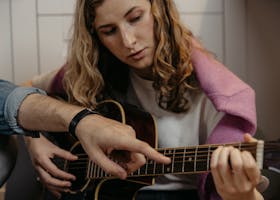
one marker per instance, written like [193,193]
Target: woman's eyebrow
[130,10]
[109,25]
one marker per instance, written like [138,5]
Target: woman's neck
[146,74]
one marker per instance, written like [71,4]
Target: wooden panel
[209,29]
[53,39]
[24,40]
[264,63]
[235,37]
[56,6]
[190,6]
[5,42]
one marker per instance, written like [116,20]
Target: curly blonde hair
[89,71]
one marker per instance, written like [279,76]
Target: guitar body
[109,188]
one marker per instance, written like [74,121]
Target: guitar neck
[184,160]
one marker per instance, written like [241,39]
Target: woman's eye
[109,31]
[135,19]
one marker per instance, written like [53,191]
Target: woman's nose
[128,38]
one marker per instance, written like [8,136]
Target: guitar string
[269,148]
[102,173]
[200,155]
[187,152]
[178,155]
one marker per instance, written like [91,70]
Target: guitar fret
[178,162]
[94,171]
[150,166]
[164,153]
[90,169]
[99,172]
[173,159]
[168,168]
[154,170]
[102,173]
[189,161]
[208,157]
[143,170]
[184,158]
[195,157]
[146,168]
[203,155]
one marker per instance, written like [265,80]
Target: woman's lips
[138,55]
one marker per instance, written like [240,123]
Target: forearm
[39,112]
[253,195]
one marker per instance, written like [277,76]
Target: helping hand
[100,136]
[42,151]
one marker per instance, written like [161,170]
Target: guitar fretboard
[183,161]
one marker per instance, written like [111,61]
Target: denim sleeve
[5,89]
[11,98]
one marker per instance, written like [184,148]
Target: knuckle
[220,164]
[213,166]
[143,145]
[130,130]
[247,188]
[221,189]
[237,167]
[231,190]
[109,171]
[249,166]
[47,182]
[142,160]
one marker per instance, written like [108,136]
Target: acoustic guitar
[185,160]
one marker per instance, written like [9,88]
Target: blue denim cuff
[12,105]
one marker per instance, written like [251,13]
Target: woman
[138,51]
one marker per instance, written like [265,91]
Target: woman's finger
[214,167]
[224,167]
[240,179]
[251,169]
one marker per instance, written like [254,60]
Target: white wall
[36,33]
[6,70]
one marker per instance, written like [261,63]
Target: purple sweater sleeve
[56,86]
[229,95]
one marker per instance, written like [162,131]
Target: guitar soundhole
[78,168]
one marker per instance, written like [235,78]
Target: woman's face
[126,28]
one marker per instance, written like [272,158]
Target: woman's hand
[42,151]
[235,173]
